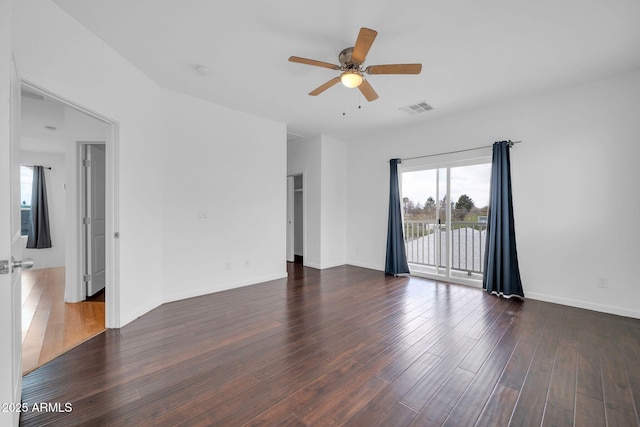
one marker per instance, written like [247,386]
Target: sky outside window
[471,180]
[26,181]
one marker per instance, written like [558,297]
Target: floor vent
[420,107]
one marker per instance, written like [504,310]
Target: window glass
[445,219]
[26,183]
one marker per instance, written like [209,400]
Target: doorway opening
[445,219]
[56,311]
[295,218]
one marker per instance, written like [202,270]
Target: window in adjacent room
[26,182]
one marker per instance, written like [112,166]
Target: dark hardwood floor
[349,346]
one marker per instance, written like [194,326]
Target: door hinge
[86,163]
[86,220]
[86,278]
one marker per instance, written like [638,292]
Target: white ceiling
[42,123]
[474,53]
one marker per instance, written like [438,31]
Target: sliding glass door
[445,214]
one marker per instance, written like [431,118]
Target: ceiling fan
[351,60]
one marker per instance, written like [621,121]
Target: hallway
[50,326]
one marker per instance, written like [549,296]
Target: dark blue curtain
[501,272]
[39,236]
[396,256]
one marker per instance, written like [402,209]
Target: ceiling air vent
[414,109]
[293,137]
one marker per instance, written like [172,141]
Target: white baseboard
[176,296]
[311,264]
[339,264]
[126,318]
[365,265]
[603,308]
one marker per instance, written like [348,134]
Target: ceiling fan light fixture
[351,79]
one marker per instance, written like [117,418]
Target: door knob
[25,264]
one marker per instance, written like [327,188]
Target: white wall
[56,200]
[334,202]
[35,114]
[298,211]
[55,52]
[298,202]
[230,167]
[574,181]
[166,142]
[322,159]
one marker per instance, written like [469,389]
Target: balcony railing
[421,239]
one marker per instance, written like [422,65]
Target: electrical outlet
[228,265]
[603,282]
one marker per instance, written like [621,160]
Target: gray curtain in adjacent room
[39,236]
[501,272]
[396,262]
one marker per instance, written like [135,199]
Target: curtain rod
[458,151]
[31,166]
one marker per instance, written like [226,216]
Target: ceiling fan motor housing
[345,60]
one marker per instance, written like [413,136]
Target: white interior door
[95,218]
[10,251]
[290,219]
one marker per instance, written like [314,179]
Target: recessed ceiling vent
[414,109]
[291,137]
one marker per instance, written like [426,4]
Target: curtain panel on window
[396,262]
[39,236]
[501,271]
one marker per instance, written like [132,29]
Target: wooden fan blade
[364,41]
[313,62]
[394,69]
[325,86]
[368,91]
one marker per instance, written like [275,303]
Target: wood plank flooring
[349,346]
[49,325]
